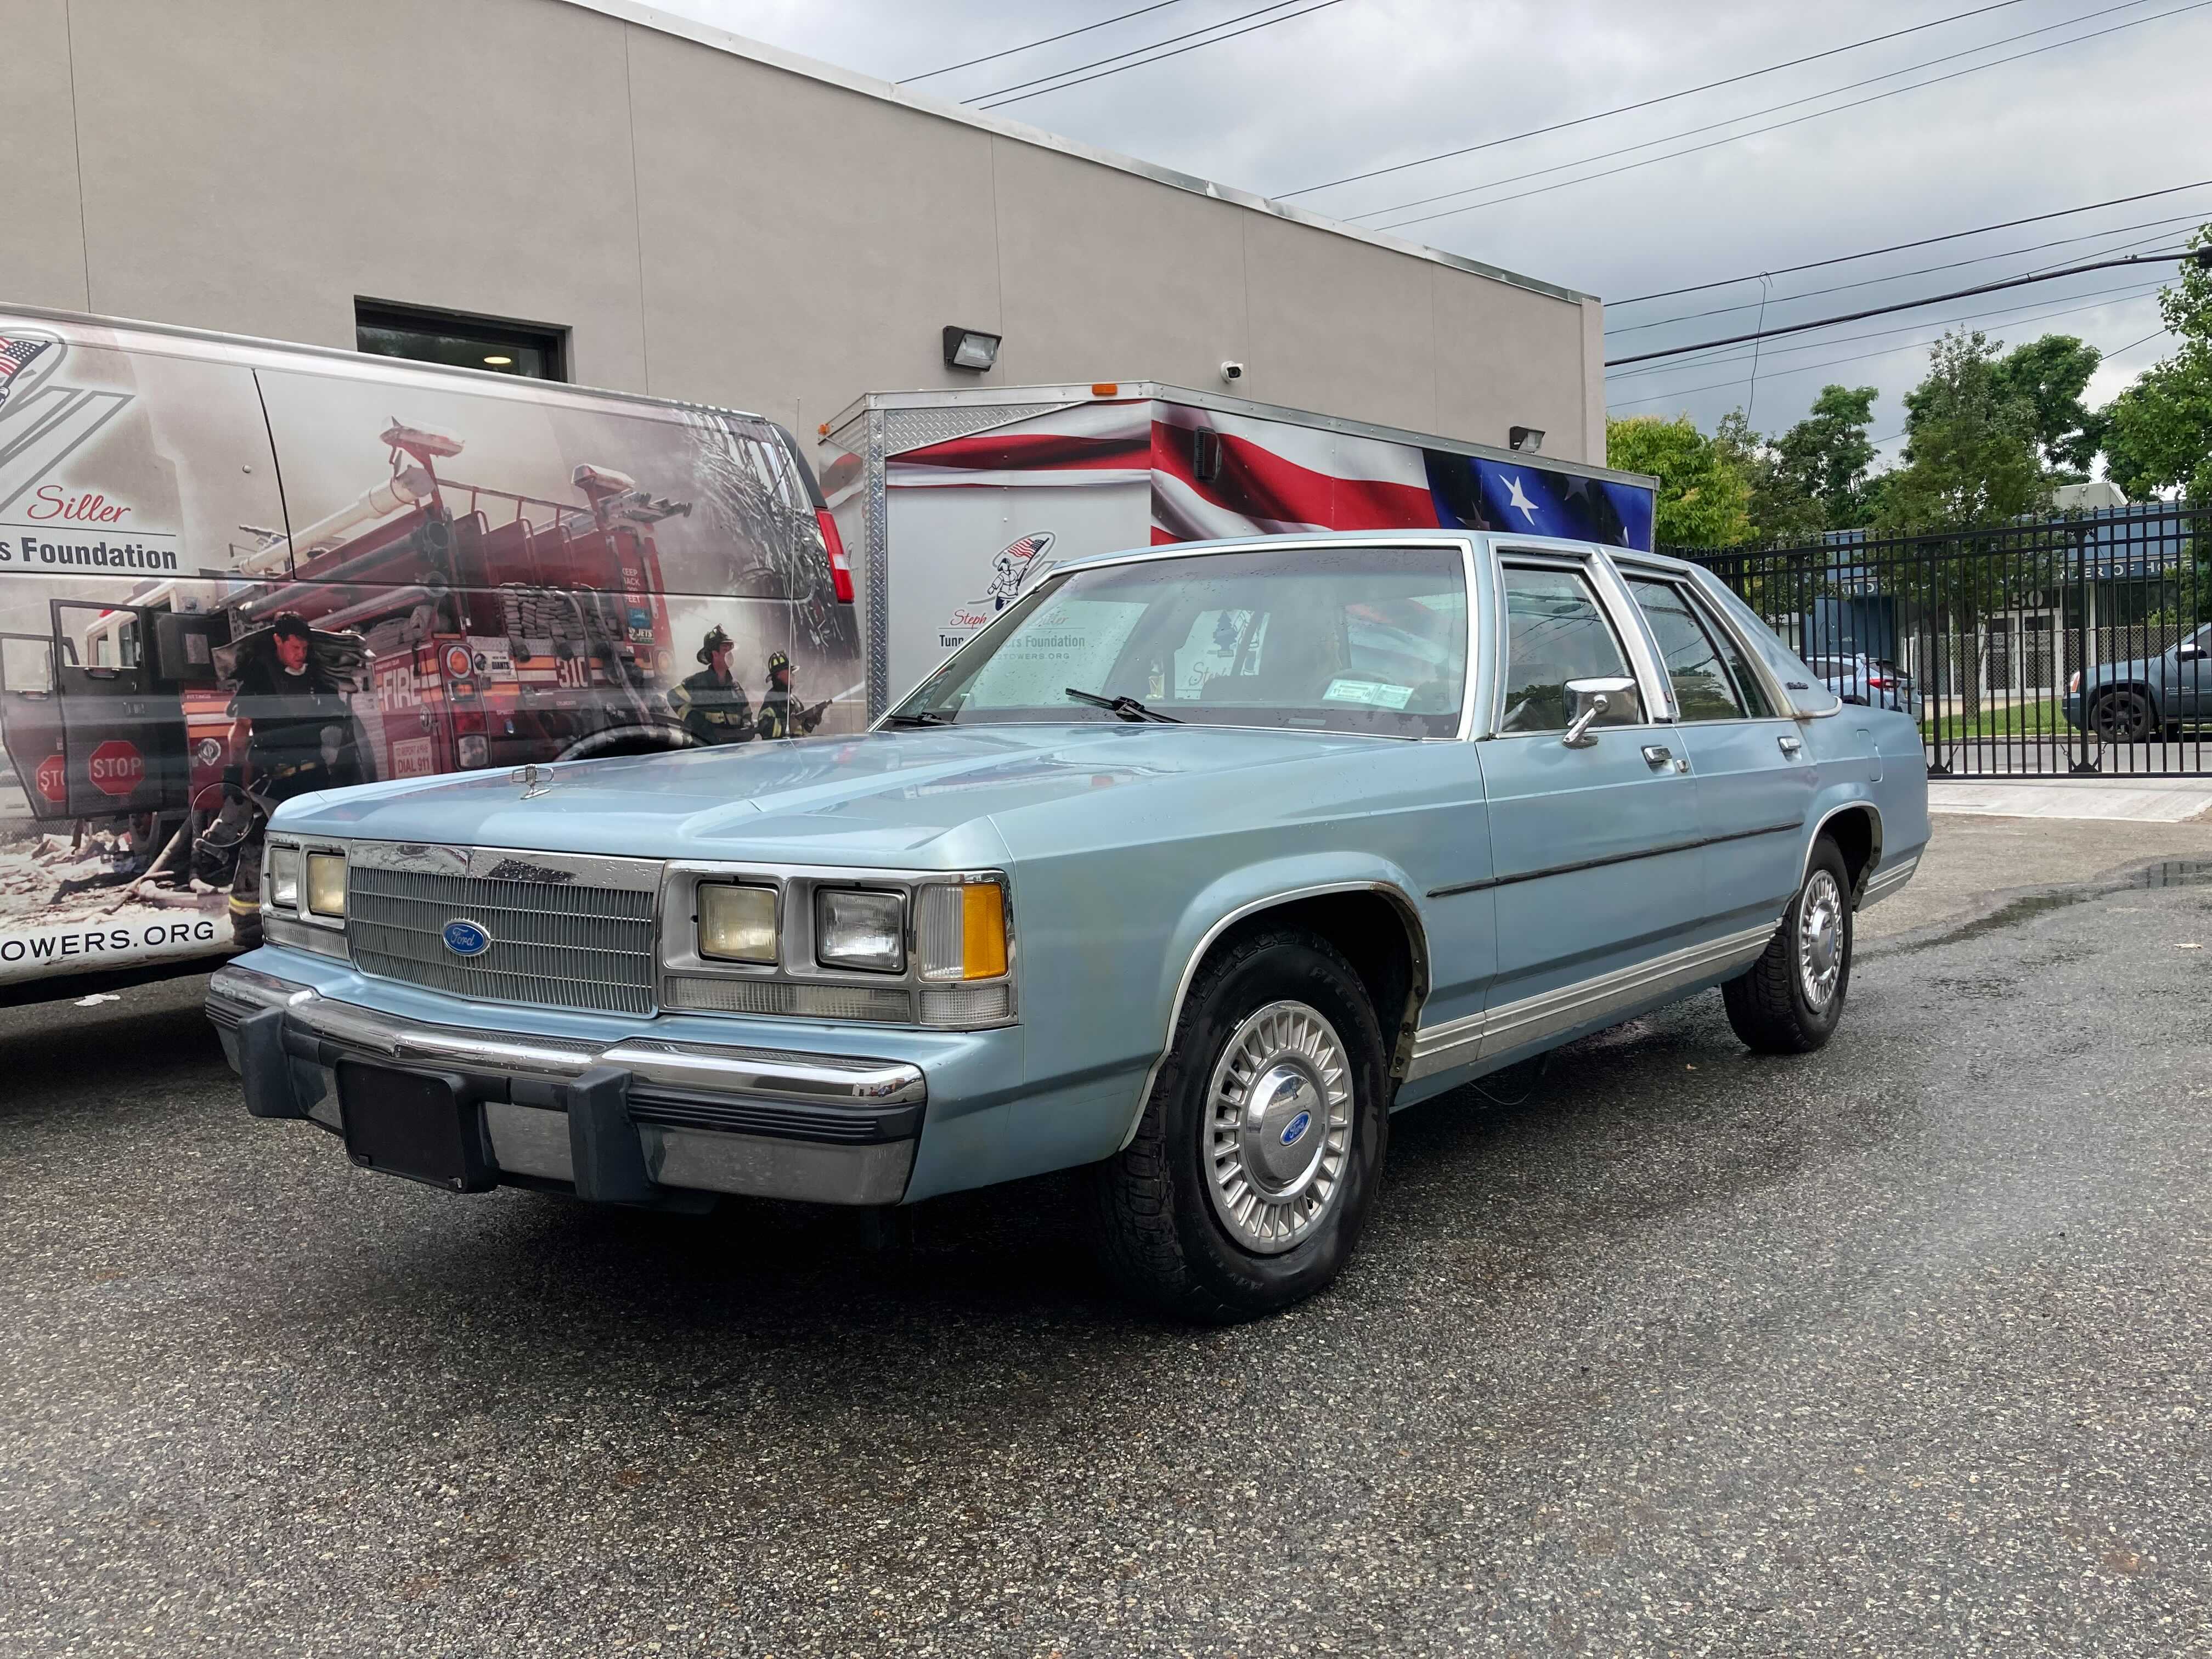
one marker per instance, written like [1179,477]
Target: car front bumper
[637,1119]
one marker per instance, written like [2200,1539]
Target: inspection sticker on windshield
[1372,692]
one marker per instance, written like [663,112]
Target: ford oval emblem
[465,938]
[1297,1126]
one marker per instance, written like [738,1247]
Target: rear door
[1594,848]
[1754,781]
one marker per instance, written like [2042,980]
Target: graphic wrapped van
[232,573]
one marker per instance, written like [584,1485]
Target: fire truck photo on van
[232,573]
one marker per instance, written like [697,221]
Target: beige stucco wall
[708,226]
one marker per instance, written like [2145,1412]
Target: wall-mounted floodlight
[971,348]
[1526,439]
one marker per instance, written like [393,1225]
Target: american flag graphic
[15,355]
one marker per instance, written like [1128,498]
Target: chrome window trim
[1455,1043]
[1610,595]
[1417,931]
[1464,540]
[1785,706]
[1709,615]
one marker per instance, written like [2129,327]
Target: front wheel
[1789,1000]
[1259,1151]
[2122,716]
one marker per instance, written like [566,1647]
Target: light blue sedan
[1191,867]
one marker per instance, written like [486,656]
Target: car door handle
[1658,756]
[1791,747]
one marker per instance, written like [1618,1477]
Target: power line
[993,100]
[2132,345]
[1921,270]
[1776,127]
[1856,357]
[1134,52]
[2204,257]
[1924,241]
[2132,290]
[1750,115]
[1067,34]
[1580,121]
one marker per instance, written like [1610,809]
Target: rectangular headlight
[736,924]
[326,883]
[857,929]
[284,877]
[963,930]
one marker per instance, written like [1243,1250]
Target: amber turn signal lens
[982,930]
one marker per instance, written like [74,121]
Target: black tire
[1158,1235]
[1771,1006]
[2122,715]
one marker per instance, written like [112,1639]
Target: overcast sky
[1366,83]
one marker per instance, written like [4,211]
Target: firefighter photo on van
[780,716]
[291,732]
[711,704]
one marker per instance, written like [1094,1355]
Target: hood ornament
[536,781]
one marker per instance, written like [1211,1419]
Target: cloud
[1367,83]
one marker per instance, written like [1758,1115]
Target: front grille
[553,946]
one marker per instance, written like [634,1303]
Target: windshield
[1368,639]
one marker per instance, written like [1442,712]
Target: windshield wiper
[918,717]
[1128,707]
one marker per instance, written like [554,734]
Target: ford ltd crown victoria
[1190,868]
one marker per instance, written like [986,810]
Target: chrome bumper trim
[771,1073]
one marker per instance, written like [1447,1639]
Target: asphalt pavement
[1900,1346]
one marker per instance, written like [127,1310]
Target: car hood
[922,797]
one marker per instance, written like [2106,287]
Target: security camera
[1232,370]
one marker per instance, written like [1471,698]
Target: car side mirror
[1588,699]
[2190,652]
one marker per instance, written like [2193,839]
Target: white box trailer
[950,500]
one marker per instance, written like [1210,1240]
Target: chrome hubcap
[1278,1127]
[1820,938]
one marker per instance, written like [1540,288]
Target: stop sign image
[116,767]
[52,779]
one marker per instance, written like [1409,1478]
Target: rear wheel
[1259,1151]
[1790,999]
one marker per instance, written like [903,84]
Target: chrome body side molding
[1463,1042]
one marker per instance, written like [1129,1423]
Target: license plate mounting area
[426,1126]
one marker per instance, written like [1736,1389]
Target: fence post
[2086,627]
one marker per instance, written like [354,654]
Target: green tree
[1777,512]
[1702,492]
[1970,460]
[2051,374]
[1971,456]
[1823,459]
[2157,433]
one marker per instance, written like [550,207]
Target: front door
[1594,850]
[1754,779]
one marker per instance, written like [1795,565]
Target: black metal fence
[2079,644]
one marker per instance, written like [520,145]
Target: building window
[501,347]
